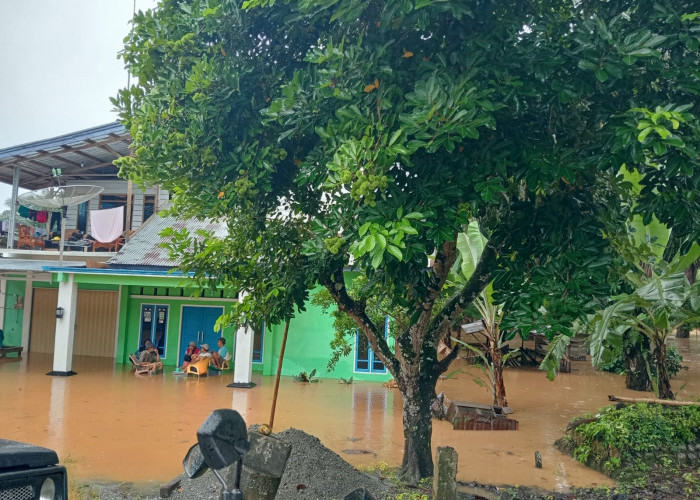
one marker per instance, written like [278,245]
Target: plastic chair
[199,368]
[225,364]
[26,239]
[141,368]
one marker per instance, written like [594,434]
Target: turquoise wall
[12,327]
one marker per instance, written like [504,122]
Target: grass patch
[401,490]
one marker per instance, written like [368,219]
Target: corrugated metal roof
[83,155]
[29,265]
[143,250]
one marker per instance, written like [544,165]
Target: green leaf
[377,259]
[395,252]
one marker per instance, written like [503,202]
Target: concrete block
[445,479]
[267,455]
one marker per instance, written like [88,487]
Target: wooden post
[279,371]
[129,194]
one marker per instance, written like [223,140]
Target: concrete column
[243,360]
[65,326]
[27,312]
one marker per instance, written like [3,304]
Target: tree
[323,131]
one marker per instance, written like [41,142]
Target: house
[108,304]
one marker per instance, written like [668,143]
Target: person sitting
[221,355]
[191,350]
[151,357]
[204,352]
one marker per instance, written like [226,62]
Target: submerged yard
[108,424]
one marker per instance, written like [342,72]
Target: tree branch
[478,281]
[335,284]
[441,366]
[444,259]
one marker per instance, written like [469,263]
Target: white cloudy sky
[59,66]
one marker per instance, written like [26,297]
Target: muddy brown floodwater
[108,424]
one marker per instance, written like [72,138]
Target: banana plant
[470,245]
[655,309]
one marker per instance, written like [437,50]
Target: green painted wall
[12,327]
[308,348]
[130,320]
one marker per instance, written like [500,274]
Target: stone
[359,494]
[267,454]
[263,466]
[445,479]
[538,459]
[167,489]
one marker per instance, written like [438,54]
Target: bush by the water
[626,441]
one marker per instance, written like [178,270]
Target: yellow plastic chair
[198,368]
[225,365]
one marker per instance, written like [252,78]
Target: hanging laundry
[107,225]
[23,211]
[55,222]
[42,216]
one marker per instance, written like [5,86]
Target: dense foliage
[633,438]
[326,131]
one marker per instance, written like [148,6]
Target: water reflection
[97,419]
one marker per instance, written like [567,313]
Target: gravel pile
[316,473]
[313,472]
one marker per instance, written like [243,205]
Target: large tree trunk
[663,379]
[418,429]
[636,374]
[499,388]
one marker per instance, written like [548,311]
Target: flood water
[108,424]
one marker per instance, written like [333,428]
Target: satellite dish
[56,198]
[59,198]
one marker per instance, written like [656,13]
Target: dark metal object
[222,441]
[25,469]
[194,463]
[223,438]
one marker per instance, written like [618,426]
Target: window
[82,216]
[365,360]
[258,343]
[149,206]
[154,326]
[114,201]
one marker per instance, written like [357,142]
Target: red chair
[26,239]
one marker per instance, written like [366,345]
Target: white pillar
[65,326]
[27,312]
[243,360]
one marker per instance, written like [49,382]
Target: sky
[59,66]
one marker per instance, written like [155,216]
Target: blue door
[198,326]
